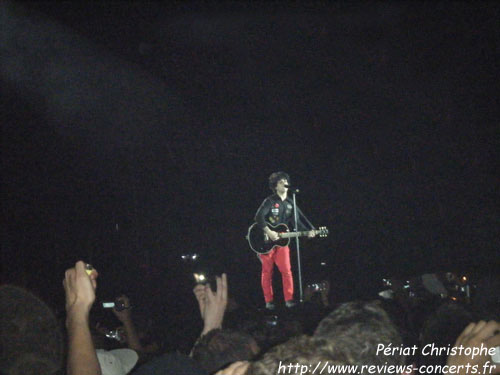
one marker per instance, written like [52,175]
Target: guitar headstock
[322,232]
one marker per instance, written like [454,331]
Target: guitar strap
[301,215]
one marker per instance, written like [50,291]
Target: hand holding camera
[128,333]
[121,309]
[79,286]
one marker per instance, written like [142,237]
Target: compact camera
[89,269]
[200,278]
[118,305]
[205,279]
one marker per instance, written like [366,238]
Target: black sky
[133,133]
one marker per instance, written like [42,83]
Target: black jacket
[275,211]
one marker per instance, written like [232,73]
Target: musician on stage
[277,209]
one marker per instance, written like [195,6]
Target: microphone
[293,189]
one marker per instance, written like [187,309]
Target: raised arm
[79,287]
[125,316]
[212,304]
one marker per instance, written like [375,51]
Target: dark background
[134,133]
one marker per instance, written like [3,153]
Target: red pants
[280,256]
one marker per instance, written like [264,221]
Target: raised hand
[274,236]
[474,336]
[79,287]
[215,304]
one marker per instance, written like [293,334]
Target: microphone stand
[297,242]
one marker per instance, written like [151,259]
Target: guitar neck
[295,234]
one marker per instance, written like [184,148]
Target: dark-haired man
[277,209]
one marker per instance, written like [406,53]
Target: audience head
[356,329]
[31,338]
[220,347]
[442,328]
[302,351]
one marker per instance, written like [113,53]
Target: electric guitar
[260,242]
